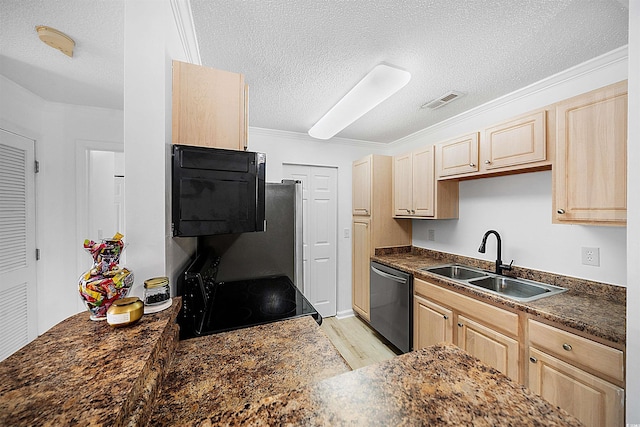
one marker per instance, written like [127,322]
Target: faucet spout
[481,249]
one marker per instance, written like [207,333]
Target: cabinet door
[516,142]
[458,156]
[592,400]
[362,186]
[432,323]
[360,256]
[402,185]
[423,182]
[488,345]
[591,157]
[209,107]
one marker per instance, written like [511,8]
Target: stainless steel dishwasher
[391,305]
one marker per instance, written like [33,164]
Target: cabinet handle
[412,211]
[366,211]
[408,211]
[472,165]
[460,324]
[445,317]
[567,347]
[561,211]
[487,162]
[533,359]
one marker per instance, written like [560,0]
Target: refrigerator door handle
[389,276]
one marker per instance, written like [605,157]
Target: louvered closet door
[18,323]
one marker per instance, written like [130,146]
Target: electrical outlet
[346,233]
[431,235]
[591,256]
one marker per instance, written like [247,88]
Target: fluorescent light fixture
[381,82]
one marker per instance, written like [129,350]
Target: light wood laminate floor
[356,341]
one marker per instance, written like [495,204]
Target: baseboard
[344,314]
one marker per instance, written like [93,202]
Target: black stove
[211,307]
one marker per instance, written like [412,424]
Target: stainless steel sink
[455,271]
[518,289]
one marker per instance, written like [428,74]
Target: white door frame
[336,241]
[83,150]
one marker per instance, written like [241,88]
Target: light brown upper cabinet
[415,190]
[209,107]
[520,141]
[590,170]
[361,196]
[517,145]
[458,156]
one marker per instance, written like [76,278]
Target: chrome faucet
[481,249]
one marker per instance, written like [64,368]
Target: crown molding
[303,137]
[580,70]
[186,30]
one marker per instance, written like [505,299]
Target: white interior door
[320,213]
[18,322]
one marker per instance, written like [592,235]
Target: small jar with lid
[156,291]
[125,311]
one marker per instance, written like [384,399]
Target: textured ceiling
[300,57]
[95,74]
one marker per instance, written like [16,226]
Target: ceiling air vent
[443,100]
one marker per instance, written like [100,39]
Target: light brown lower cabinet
[361,253]
[582,376]
[485,331]
[492,347]
[594,401]
[433,323]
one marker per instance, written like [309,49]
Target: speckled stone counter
[221,372]
[595,309]
[82,372]
[436,386]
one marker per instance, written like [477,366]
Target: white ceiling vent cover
[443,100]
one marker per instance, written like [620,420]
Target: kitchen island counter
[220,372]
[86,373]
[82,372]
[439,386]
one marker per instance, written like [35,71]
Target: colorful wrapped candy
[106,281]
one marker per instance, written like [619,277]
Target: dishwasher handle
[388,276]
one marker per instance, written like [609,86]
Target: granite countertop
[595,309]
[82,372]
[438,385]
[221,372]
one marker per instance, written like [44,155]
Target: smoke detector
[443,100]
[56,39]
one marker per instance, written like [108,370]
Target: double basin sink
[518,289]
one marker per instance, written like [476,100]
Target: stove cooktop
[254,302]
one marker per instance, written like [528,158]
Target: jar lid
[156,282]
[125,301]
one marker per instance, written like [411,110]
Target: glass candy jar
[106,281]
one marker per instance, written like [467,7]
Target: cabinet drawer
[572,348]
[494,316]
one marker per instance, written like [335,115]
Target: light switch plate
[431,235]
[591,256]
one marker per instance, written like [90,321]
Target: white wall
[152,42]
[287,147]
[633,221]
[57,128]
[519,206]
